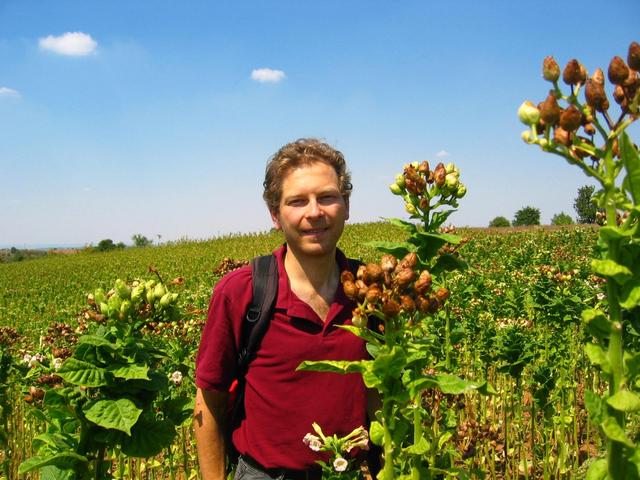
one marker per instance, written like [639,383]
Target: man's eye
[296,202]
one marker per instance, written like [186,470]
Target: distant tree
[584,206]
[561,219]
[500,222]
[105,245]
[120,245]
[14,250]
[526,216]
[140,240]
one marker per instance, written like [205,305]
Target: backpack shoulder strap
[264,277]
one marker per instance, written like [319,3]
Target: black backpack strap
[264,278]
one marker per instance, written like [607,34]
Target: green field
[513,316]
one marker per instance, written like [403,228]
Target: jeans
[246,471]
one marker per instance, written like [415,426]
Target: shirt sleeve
[217,359]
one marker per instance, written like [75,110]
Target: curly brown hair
[301,152]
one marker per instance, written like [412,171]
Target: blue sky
[126,117]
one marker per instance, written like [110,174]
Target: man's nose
[314,209]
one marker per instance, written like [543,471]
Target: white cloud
[9,92]
[70,43]
[267,75]
[442,153]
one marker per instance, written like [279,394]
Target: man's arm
[208,424]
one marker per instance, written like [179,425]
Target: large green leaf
[397,249]
[178,409]
[615,432]
[82,373]
[335,366]
[630,295]
[54,473]
[624,401]
[419,448]
[120,414]
[448,263]
[149,438]
[134,371]
[97,341]
[598,470]
[406,226]
[63,460]
[611,269]
[454,385]
[390,363]
[631,161]
[376,433]
[597,322]
[597,356]
[54,441]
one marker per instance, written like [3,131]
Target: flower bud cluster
[339,446]
[562,124]
[418,185]
[392,287]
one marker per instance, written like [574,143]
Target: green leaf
[631,161]
[598,470]
[595,406]
[98,341]
[614,233]
[54,473]
[397,249]
[82,373]
[119,414]
[624,401]
[64,461]
[454,385]
[376,433]
[149,438]
[609,268]
[178,409]
[334,366]
[633,365]
[597,323]
[597,356]
[54,441]
[420,448]
[406,226]
[630,296]
[134,371]
[615,432]
[448,263]
[429,243]
[390,363]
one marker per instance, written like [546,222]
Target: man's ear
[346,204]
[274,219]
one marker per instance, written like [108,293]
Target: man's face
[312,210]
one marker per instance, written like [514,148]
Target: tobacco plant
[402,315]
[587,134]
[112,393]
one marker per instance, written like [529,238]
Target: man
[306,189]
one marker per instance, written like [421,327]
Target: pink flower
[312,441]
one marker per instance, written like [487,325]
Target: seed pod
[439,175]
[598,76]
[596,96]
[528,113]
[360,272]
[390,308]
[589,129]
[362,289]
[374,293]
[571,74]
[350,289]
[618,71]
[633,57]
[359,318]
[404,277]
[424,203]
[410,260]
[347,276]
[388,262]
[618,94]
[550,111]
[407,304]
[570,118]
[550,69]
[423,304]
[434,304]
[424,167]
[442,294]
[423,284]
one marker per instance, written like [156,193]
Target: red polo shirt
[280,403]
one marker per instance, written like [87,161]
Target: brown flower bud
[404,277]
[390,308]
[388,262]
[410,260]
[550,111]
[589,129]
[374,293]
[424,167]
[618,94]
[407,304]
[583,74]
[359,318]
[423,284]
[439,175]
[596,96]
[598,76]
[350,289]
[442,294]
[618,71]
[431,177]
[424,203]
[633,57]
[550,69]
[360,272]
[561,136]
[362,289]
[571,74]
[347,276]
[570,118]
[372,273]
[387,279]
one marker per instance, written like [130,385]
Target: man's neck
[316,271]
